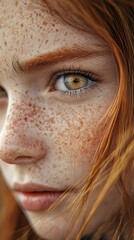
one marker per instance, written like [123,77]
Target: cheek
[73,138]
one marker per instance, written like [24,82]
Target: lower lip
[37,201]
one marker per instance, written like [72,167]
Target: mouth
[34,197]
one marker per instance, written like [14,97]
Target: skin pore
[48,133]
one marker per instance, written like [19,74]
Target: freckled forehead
[28,28]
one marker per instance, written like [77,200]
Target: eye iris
[2,93]
[74,82]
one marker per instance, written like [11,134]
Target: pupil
[76,80]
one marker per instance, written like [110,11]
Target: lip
[34,197]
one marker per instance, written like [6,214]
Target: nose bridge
[15,122]
[15,119]
[19,141]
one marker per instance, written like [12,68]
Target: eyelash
[74,93]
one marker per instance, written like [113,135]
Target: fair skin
[47,137]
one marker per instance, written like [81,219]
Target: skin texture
[45,137]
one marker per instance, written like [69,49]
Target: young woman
[66,126]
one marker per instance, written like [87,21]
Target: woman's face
[57,84]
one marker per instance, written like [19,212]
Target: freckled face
[51,121]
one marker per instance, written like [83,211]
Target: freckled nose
[19,144]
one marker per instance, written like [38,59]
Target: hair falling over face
[113,21]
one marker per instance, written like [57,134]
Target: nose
[19,142]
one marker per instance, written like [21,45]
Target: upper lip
[34,187]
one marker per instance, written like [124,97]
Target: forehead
[28,28]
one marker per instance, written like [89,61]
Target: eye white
[60,85]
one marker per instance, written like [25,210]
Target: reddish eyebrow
[58,56]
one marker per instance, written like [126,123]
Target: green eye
[3,93]
[75,81]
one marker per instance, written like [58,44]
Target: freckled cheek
[74,137]
[75,148]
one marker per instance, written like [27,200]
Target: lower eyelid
[79,94]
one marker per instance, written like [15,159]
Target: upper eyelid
[76,71]
[82,65]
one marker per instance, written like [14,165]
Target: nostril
[23,159]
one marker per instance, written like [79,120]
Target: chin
[52,227]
